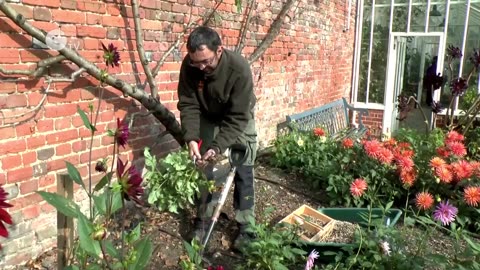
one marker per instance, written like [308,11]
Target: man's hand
[194,150]
[209,155]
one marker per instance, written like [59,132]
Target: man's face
[205,59]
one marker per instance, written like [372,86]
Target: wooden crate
[305,217]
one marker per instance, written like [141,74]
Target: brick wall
[308,64]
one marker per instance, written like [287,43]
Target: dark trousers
[243,198]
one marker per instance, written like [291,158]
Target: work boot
[200,229]
[243,239]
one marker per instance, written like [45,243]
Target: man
[216,104]
[429,81]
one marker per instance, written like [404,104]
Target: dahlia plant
[96,247]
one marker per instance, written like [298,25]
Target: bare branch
[272,32]
[141,50]
[159,64]
[243,34]
[44,97]
[39,71]
[156,69]
[212,13]
[72,78]
[166,117]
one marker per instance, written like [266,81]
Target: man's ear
[219,50]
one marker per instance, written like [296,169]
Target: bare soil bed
[274,188]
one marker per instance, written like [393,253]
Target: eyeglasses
[206,62]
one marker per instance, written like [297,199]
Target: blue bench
[332,117]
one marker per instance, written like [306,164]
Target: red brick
[7,87]
[69,4]
[64,95]
[113,9]
[68,16]
[148,4]
[25,129]
[58,164]
[7,25]
[96,154]
[7,132]
[94,19]
[14,40]
[31,212]
[62,136]
[19,175]
[91,31]
[28,186]
[3,179]
[47,208]
[45,26]
[31,55]
[12,147]
[11,161]
[46,180]
[95,7]
[30,85]
[37,141]
[26,11]
[63,149]
[29,158]
[44,125]
[34,98]
[113,21]
[42,14]
[60,110]
[48,3]
[79,146]
[22,202]
[63,123]
[16,100]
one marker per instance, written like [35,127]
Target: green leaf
[100,203]
[85,120]
[134,235]
[85,229]
[116,202]
[105,179]
[473,245]
[144,252]
[74,174]
[111,250]
[72,267]
[62,204]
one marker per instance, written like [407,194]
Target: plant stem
[109,199]
[123,229]
[102,247]
[359,248]
[406,205]
[94,124]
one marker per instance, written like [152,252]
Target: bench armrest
[361,112]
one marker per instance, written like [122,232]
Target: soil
[341,232]
[285,192]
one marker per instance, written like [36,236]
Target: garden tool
[237,155]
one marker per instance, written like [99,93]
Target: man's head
[204,48]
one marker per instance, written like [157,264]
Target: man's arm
[238,115]
[188,106]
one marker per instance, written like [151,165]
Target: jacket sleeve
[188,106]
[238,115]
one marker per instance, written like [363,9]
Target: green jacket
[224,97]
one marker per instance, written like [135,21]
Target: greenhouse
[397,41]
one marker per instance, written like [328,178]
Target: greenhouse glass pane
[419,13]
[400,16]
[472,44]
[437,18]
[363,68]
[379,56]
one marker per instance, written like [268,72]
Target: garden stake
[237,155]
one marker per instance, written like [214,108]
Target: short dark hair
[203,35]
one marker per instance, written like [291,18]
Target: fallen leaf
[225,242]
